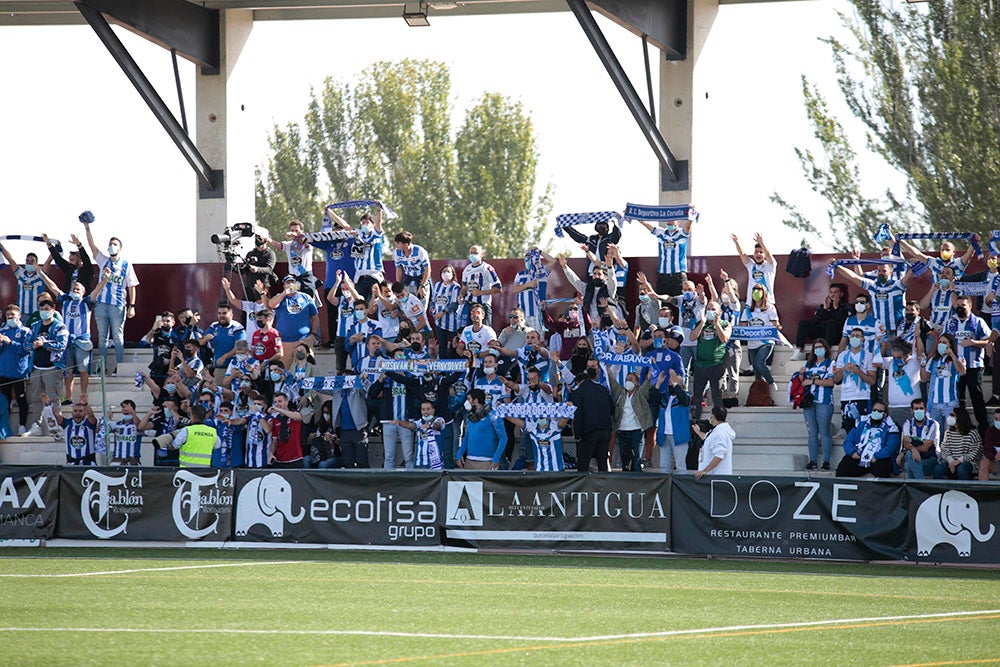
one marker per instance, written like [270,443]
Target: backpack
[798,394]
[799,264]
[760,394]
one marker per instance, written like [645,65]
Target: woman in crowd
[942,371]
[961,448]
[447,310]
[761,314]
[817,377]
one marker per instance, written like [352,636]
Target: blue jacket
[890,438]
[15,356]
[680,416]
[56,341]
[485,438]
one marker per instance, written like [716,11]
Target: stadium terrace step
[32,450]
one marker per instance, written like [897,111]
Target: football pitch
[284,607]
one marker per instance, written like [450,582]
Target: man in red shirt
[266,342]
[285,428]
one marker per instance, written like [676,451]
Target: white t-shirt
[908,374]
[852,387]
[300,259]
[760,273]
[761,318]
[475,341]
[250,308]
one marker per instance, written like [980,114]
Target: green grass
[516,607]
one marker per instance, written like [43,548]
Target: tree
[389,137]
[924,83]
[288,190]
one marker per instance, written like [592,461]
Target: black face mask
[605,322]
[592,373]
[416,346]
[962,311]
[910,317]
[403,333]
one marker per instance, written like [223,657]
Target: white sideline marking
[148,569]
[594,638]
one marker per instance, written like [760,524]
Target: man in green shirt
[712,334]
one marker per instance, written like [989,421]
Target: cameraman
[257,265]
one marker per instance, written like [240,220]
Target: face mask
[856,342]
[275,376]
[468,405]
[658,343]
[447,276]
[919,415]
[242,357]
[663,321]
[359,315]
[726,299]
[946,255]
[170,387]
[820,352]
[592,373]
[30,268]
[426,418]
[404,333]
[996,424]
[300,355]
[489,370]
[757,294]
[416,346]
[261,323]
[710,316]
[112,251]
[597,282]
[257,409]
[951,420]
[861,307]
[629,385]
[366,228]
[688,296]
[911,317]
[46,315]
[74,296]
[474,258]
[12,322]
[942,348]
[962,312]
[877,415]
[944,282]
[326,416]
[992,264]
[644,298]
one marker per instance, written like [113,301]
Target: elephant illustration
[266,500]
[951,518]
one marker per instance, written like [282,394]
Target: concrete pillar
[678,102]
[220,136]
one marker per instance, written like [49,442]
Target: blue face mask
[359,315]
[658,343]
[170,387]
[75,297]
[474,258]
[275,376]
[688,296]
[46,315]
[856,342]
[996,424]
[942,348]
[919,415]
[30,268]
[644,298]
[944,282]
[13,322]
[820,352]
[876,415]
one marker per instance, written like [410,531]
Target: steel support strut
[211,179]
[672,171]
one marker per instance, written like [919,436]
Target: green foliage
[288,190]
[924,83]
[389,136]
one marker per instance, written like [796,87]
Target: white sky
[77,136]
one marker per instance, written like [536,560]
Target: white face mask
[447,276]
[468,405]
[490,370]
[475,258]
[861,307]
[629,385]
[366,228]
[112,250]
[951,420]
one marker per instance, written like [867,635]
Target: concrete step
[32,450]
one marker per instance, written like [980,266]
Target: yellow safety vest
[196,452]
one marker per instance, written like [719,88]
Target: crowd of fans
[239,394]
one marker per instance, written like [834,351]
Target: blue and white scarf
[995,242]
[756,333]
[661,213]
[619,359]
[574,219]
[971,289]
[970,237]
[363,203]
[329,383]
[329,235]
[534,410]
[863,262]
[27,237]
[421,366]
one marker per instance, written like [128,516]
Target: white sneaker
[21,430]
[774,386]
[35,430]
[798,355]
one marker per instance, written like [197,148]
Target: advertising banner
[29,498]
[331,507]
[953,522]
[784,517]
[557,511]
[145,504]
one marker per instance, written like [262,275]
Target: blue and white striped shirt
[972,328]
[367,253]
[930,430]
[621,275]
[943,388]
[673,249]
[76,316]
[935,264]
[821,370]
[345,315]
[427,434]
[80,439]
[527,357]
[537,396]
[887,300]
[446,300]
[482,277]
[873,328]
[528,299]
[256,444]
[128,439]
[29,287]
[942,307]
[414,265]
[115,291]
[547,443]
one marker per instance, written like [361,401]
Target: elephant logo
[951,518]
[266,500]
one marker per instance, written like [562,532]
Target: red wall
[173,286]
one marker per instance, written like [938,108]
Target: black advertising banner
[29,497]
[953,522]
[332,507]
[145,504]
[604,511]
[784,517]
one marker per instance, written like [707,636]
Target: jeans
[446,443]
[110,319]
[920,469]
[963,471]
[391,433]
[939,412]
[354,445]
[818,417]
[669,452]
[758,359]
[687,356]
[630,446]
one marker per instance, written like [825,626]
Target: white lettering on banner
[724,500]
[9,496]
[98,495]
[381,508]
[465,504]
[576,504]
[198,495]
